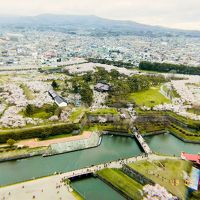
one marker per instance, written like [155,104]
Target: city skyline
[173,14]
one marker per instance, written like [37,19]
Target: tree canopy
[54,84]
[168,68]
[10,142]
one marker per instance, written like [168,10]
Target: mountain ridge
[88,22]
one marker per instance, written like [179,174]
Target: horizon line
[107,18]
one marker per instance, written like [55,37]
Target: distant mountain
[90,23]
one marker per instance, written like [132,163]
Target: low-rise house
[60,101]
[101,87]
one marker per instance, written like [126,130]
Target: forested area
[169,68]
[120,85]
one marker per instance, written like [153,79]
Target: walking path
[114,164]
[52,187]
[40,189]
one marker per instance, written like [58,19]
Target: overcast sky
[183,14]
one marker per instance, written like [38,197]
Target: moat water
[111,148]
[94,188]
[171,145]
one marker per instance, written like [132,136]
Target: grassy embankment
[105,111]
[167,173]
[183,133]
[180,118]
[151,127]
[106,127]
[122,182]
[191,133]
[77,115]
[7,153]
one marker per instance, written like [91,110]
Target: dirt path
[33,143]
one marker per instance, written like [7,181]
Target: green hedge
[37,132]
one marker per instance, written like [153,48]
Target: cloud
[172,13]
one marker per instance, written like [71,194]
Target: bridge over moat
[142,142]
[49,186]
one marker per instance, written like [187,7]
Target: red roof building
[191,157]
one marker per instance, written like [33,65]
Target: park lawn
[122,182]
[105,111]
[42,115]
[149,97]
[165,172]
[183,133]
[45,112]
[28,93]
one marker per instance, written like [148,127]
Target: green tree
[29,109]
[11,142]
[87,77]
[54,84]
[86,94]
[75,86]
[120,88]
[114,74]
[102,75]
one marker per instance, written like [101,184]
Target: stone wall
[166,119]
[136,175]
[151,118]
[93,141]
